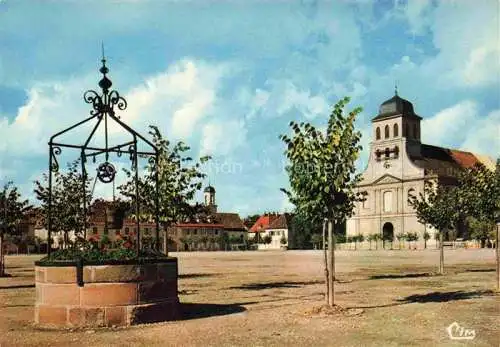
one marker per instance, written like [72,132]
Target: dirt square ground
[265,299]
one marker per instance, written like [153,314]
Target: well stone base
[111,295]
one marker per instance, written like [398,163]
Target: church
[398,165]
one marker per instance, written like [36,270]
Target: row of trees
[476,197]
[322,180]
[12,211]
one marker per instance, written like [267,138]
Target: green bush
[88,250]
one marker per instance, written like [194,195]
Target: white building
[398,166]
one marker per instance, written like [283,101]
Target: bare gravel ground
[267,298]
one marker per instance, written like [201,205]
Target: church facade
[399,164]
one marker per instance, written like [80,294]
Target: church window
[386,131]
[365,201]
[387,152]
[396,152]
[377,133]
[411,195]
[396,130]
[388,201]
[378,154]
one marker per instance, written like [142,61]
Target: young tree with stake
[322,177]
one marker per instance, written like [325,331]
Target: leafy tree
[12,212]
[427,236]
[250,220]
[411,237]
[283,240]
[321,173]
[441,207]
[316,240]
[377,238]
[480,190]
[349,240]
[302,231]
[223,240]
[370,239]
[67,200]
[179,178]
[267,239]
[401,237]
[358,238]
[481,229]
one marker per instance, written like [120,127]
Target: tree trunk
[498,258]
[2,258]
[331,265]
[325,263]
[165,242]
[441,254]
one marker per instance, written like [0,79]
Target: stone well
[105,293]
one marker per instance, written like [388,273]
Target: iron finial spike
[102,51]
[396,88]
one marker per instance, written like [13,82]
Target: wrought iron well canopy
[104,105]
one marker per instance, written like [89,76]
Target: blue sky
[228,76]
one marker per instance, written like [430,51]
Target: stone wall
[118,295]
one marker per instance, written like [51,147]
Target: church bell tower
[209,194]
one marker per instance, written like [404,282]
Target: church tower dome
[396,106]
[209,194]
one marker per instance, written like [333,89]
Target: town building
[277,227]
[209,230]
[399,164]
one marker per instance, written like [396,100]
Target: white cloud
[175,100]
[484,135]
[417,14]
[178,98]
[461,126]
[451,125]
[467,37]
[222,137]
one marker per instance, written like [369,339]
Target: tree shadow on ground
[197,275]
[480,270]
[195,311]
[396,276]
[271,285]
[436,297]
[446,296]
[21,286]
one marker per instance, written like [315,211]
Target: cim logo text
[457,332]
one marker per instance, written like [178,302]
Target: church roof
[231,221]
[396,106]
[209,189]
[448,162]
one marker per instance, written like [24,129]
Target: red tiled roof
[262,223]
[282,222]
[464,159]
[445,161]
[199,225]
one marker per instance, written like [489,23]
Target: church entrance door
[388,233]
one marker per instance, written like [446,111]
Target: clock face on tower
[387,164]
